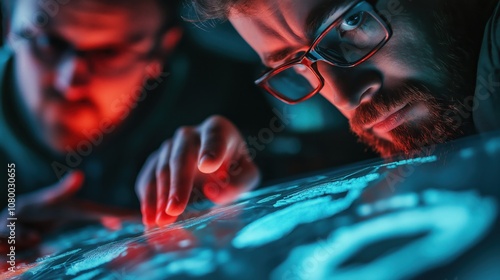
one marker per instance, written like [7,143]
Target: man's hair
[214,9]
[170,9]
[219,9]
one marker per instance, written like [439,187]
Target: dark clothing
[487,97]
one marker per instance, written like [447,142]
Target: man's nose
[72,73]
[347,88]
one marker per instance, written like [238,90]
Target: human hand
[39,212]
[211,157]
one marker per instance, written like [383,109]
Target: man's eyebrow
[321,13]
[314,20]
[276,56]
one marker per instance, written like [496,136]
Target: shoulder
[492,34]
[487,94]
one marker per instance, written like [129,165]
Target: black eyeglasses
[106,62]
[348,41]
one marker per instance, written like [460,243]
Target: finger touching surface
[183,168]
[146,190]
[163,185]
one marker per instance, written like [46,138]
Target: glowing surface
[371,221]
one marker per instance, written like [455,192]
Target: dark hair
[219,9]
[170,8]
[213,9]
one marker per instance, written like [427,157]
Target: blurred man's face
[402,98]
[83,66]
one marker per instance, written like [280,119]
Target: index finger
[183,170]
[218,139]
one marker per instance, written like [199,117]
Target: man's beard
[448,116]
[410,138]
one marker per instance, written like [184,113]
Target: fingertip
[148,222]
[163,219]
[208,163]
[148,216]
[148,227]
[175,207]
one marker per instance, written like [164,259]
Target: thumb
[65,188]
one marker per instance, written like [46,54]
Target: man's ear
[166,46]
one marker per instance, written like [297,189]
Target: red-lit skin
[209,160]
[67,99]
[170,240]
[406,58]
[150,245]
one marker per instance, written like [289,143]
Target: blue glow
[397,202]
[41,262]
[352,223]
[420,160]
[101,255]
[467,153]
[269,198]
[335,187]
[449,218]
[198,263]
[89,275]
[493,146]
[306,206]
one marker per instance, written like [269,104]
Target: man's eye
[352,22]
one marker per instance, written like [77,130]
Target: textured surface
[430,216]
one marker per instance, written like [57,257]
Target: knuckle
[217,120]
[184,132]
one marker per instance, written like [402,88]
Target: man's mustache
[385,101]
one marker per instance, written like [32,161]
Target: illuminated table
[433,216]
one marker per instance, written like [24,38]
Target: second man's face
[398,100]
[81,67]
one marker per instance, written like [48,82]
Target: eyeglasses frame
[311,57]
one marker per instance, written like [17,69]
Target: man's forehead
[91,20]
[282,26]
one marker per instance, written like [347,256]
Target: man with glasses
[402,72]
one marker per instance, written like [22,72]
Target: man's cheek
[117,96]
[114,105]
